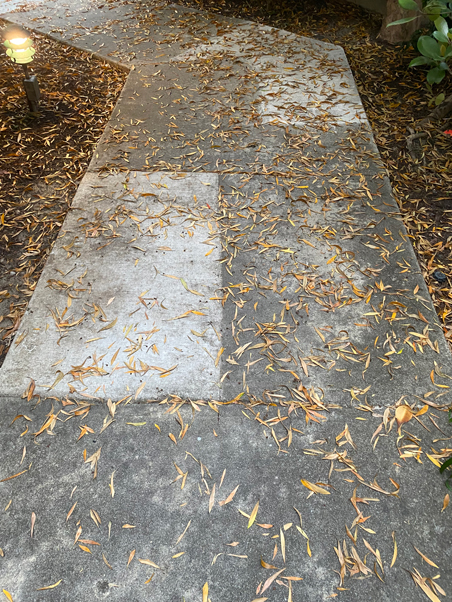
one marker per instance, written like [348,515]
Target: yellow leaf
[112,487]
[314,488]
[109,325]
[395,549]
[219,354]
[445,502]
[140,388]
[425,588]
[178,554]
[212,499]
[84,548]
[50,586]
[253,515]
[427,560]
[422,411]
[8,595]
[60,375]
[148,562]
[403,414]
[434,460]
[268,566]
[205,591]
[283,544]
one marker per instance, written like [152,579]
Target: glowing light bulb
[18,41]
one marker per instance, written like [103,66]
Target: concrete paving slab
[122,31]
[160,514]
[10,5]
[295,287]
[323,291]
[130,279]
[231,106]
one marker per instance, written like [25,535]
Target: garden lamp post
[19,48]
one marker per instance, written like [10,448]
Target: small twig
[409,143]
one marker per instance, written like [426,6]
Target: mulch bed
[43,159]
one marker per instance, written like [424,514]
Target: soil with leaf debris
[43,159]
[396,99]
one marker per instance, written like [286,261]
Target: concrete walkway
[234,240]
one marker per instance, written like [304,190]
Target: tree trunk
[400,33]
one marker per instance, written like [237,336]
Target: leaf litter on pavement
[251,222]
[43,160]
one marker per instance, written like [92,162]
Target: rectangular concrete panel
[322,292]
[126,301]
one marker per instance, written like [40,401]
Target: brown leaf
[212,498]
[106,561]
[270,580]
[71,511]
[131,555]
[148,562]
[403,414]
[314,488]
[84,548]
[229,498]
[33,520]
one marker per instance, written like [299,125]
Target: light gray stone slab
[236,117]
[120,31]
[129,250]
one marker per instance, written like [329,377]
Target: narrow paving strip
[235,243]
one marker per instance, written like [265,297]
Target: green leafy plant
[435,49]
[447,465]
